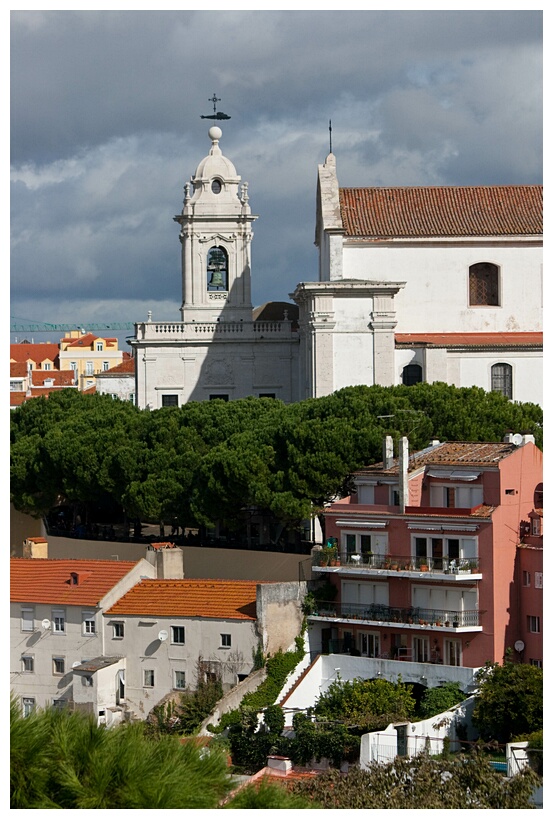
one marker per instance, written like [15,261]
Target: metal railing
[377,613]
[398,563]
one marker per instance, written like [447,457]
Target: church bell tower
[216,234]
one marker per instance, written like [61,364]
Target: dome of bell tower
[215,167]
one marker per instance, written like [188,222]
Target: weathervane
[216,114]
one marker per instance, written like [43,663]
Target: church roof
[422,212]
[513,339]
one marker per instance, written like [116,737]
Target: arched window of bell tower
[217,269]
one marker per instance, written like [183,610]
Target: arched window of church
[217,269]
[412,374]
[502,379]
[538,496]
[484,284]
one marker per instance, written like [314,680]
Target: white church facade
[415,284]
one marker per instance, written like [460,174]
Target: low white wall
[381,746]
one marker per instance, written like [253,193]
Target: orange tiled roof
[490,210]
[126,366]
[41,580]
[35,352]
[61,378]
[218,599]
[18,369]
[453,453]
[17,398]
[470,339]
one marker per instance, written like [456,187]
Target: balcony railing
[414,615]
[442,565]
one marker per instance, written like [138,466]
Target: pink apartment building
[437,557]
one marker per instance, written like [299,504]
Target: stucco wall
[279,614]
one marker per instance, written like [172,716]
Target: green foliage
[64,760]
[206,461]
[313,740]
[441,698]
[278,667]
[419,784]
[509,701]
[185,716]
[369,704]
[267,795]
[534,750]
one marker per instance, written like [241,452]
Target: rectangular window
[105,366]
[89,623]
[100,347]
[73,365]
[225,640]
[349,544]
[27,619]
[58,665]
[58,621]
[28,664]
[452,650]
[149,678]
[47,366]
[536,527]
[169,400]
[180,681]
[177,635]
[394,496]
[537,663]
[533,624]
[89,368]
[526,579]
[218,397]
[87,680]
[28,705]
[118,631]
[538,580]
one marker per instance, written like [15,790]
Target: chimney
[387,452]
[528,439]
[403,470]
[168,560]
[35,547]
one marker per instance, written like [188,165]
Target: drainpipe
[403,469]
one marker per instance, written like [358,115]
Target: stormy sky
[106,130]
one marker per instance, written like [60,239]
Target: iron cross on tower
[214,99]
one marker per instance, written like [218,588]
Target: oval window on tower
[216,186]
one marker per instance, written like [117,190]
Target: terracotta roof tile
[41,580]
[453,453]
[37,353]
[18,369]
[126,366]
[61,378]
[17,398]
[218,599]
[470,339]
[493,210]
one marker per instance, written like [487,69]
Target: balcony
[391,565]
[404,618]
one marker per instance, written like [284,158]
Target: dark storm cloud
[105,122]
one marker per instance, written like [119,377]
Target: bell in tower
[217,268]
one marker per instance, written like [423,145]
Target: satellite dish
[519,645]
[75,664]
[163,635]
[45,624]
[517,439]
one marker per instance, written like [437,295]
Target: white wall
[435,298]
